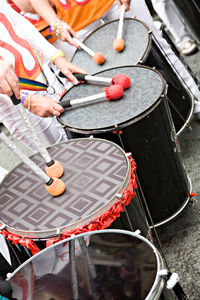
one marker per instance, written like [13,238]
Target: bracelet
[58,26]
[29,102]
[24,95]
[56,54]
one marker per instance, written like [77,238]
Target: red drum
[104,265]
[140,48]
[100,182]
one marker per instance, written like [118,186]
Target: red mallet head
[122,80]
[55,169]
[56,188]
[118,45]
[99,58]
[113,92]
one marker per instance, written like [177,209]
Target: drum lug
[91,137]
[137,232]
[2,227]
[163,272]
[128,154]
[172,281]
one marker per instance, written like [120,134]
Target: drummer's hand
[67,68]
[44,106]
[67,34]
[9,82]
[125,2]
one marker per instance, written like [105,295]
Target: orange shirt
[80,13]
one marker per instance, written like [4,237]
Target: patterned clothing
[18,38]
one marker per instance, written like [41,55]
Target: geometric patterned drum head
[95,170]
[137,41]
[147,85]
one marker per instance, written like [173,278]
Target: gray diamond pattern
[94,171]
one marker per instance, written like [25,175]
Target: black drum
[140,48]
[104,265]
[100,187]
[141,123]
[190,11]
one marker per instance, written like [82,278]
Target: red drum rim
[107,214]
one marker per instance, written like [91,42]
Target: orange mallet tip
[99,58]
[54,170]
[56,188]
[118,45]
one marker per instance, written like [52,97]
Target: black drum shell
[152,140]
[141,48]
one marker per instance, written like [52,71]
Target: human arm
[37,41]
[9,82]
[45,10]
[125,2]
[43,106]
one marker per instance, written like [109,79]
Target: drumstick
[54,186]
[98,57]
[118,44]
[53,168]
[120,79]
[113,92]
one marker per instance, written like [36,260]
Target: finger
[126,4]
[13,81]
[70,76]
[5,87]
[59,109]
[72,42]
[75,69]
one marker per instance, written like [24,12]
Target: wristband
[24,94]
[29,102]
[56,54]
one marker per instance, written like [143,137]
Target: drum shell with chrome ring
[140,48]
[100,192]
[107,263]
[141,123]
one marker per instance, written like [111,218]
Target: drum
[100,182]
[104,265]
[190,11]
[141,123]
[140,48]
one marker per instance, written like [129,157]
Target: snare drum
[140,48]
[141,123]
[100,182]
[106,264]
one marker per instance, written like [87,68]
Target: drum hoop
[158,281]
[149,35]
[56,232]
[125,123]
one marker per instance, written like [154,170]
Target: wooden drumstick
[113,92]
[53,168]
[98,57]
[120,79]
[54,186]
[118,44]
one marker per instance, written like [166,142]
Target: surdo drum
[140,48]
[104,265]
[141,123]
[100,185]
